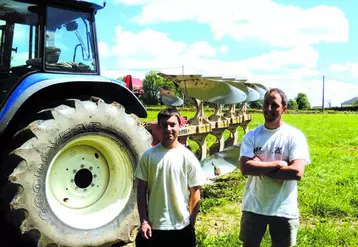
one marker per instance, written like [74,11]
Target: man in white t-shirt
[273,157]
[169,181]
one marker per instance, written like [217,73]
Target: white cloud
[147,43]
[103,49]
[223,49]
[347,69]
[276,24]
[152,49]
[339,91]
[302,57]
[294,70]
[202,49]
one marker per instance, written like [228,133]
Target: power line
[280,79]
[176,67]
[341,80]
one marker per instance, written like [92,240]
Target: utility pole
[323,95]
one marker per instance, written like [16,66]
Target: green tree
[257,104]
[355,103]
[152,83]
[292,104]
[302,101]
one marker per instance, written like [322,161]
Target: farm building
[349,102]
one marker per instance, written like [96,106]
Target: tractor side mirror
[71,26]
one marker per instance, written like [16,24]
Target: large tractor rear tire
[75,175]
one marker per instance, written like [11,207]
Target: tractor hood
[34,83]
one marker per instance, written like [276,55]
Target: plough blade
[169,98]
[251,93]
[221,163]
[259,88]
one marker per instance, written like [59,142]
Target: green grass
[328,193]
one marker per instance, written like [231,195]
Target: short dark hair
[167,113]
[281,93]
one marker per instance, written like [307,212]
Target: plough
[221,157]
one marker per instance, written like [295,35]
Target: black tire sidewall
[43,218]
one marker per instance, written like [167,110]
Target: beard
[269,117]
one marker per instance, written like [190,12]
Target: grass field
[328,193]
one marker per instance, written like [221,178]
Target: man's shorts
[283,231]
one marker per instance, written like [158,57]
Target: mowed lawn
[328,193]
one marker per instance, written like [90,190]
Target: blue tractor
[69,137]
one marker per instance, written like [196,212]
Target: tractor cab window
[69,41]
[19,53]
[18,43]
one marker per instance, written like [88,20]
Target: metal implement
[207,89]
[221,157]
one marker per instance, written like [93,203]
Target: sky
[289,44]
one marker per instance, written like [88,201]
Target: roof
[97,4]
[350,102]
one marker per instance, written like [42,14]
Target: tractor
[70,138]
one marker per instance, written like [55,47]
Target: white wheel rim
[89,181]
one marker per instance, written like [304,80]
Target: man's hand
[283,163]
[145,227]
[146,230]
[256,158]
[293,171]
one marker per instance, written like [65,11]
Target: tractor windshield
[69,41]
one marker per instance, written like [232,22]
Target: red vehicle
[134,84]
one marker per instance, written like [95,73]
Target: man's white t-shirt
[265,195]
[169,174]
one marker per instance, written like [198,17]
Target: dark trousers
[169,238]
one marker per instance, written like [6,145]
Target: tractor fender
[35,83]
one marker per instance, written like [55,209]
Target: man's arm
[294,171]
[146,229]
[194,203]
[254,166]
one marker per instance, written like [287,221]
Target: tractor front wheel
[75,174]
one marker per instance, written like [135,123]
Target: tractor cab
[46,36]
